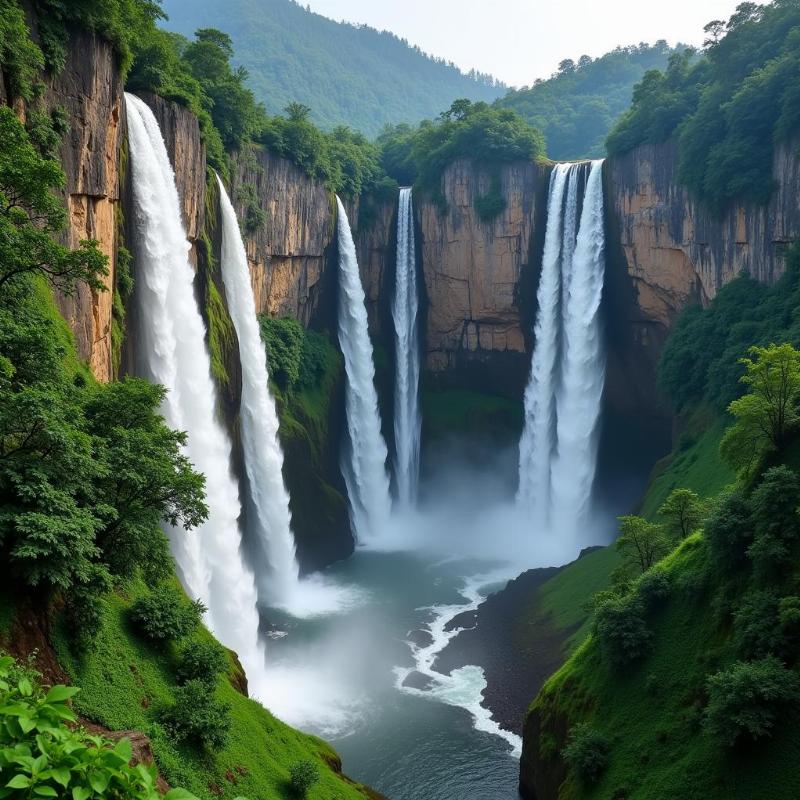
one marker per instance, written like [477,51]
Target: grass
[652,712]
[124,681]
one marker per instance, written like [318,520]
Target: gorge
[401,431]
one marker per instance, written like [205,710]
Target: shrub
[165,614]
[45,755]
[728,531]
[757,629]
[197,716]
[653,587]
[620,626]
[202,661]
[587,752]
[302,776]
[747,699]
[776,524]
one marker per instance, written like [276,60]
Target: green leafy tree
[684,512]
[641,543]
[767,414]
[31,214]
[747,700]
[165,615]
[620,627]
[729,531]
[776,523]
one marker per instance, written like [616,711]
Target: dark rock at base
[416,680]
[517,648]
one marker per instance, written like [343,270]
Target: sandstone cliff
[479,276]
[89,90]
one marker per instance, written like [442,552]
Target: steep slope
[578,105]
[347,74]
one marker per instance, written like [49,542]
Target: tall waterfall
[172,351]
[558,448]
[407,418]
[263,457]
[365,464]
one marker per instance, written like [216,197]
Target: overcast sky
[520,40]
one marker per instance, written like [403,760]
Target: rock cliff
[480,276]
[89,90]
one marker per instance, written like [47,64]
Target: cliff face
[89,89]
[479,276]
[675,250]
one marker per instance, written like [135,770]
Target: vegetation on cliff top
[577,106]
[728,107]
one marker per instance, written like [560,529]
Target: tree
[684,512]
[767,414]
[587,752]
[776,523]
[641,543]
[31,214]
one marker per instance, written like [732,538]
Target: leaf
[6,662]
[61,775]
[179,794]
[19,782]
[124,750]
[45,791]
[99,781]
[25,687]
[27,724]
[80,793]
[58,694]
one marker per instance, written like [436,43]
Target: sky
[520,40]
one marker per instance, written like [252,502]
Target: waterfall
[364,466]
[558,448]
[263,457]
[407,418]
[171,351]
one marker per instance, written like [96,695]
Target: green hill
[347,74]
[578,106]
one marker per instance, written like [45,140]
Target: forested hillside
[347,74]
[579,104]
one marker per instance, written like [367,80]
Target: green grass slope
[347,74]
[125,680]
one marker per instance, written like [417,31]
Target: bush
[165,614]
[44,753]
[620,626]
[653,587]
[197,716]
[202,661]
[776,524]
[747,699]
[729,531]
[757,630]
[302,776]
[587,752]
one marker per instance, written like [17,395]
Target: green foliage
[302,776]
[640,543]
[729,108]
[492,204]
[747,699]
[767,414]
[20,59]
[621,629]
[165,615]
[684,512]
[31,214]
[197,716]
[44,754]
[293,55]
[701,358]
[776,523]
[201,660]
[485,134]
[576,107]
[587,752]
[729,531]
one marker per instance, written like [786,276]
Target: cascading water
[171,351]
[558,448]
[365,465]
[263,456]
[407,418]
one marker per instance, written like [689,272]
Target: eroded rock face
[474,270]
[678,252]
[287,252]
[89,90]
